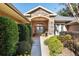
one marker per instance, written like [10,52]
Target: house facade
[44,20]
[41,19]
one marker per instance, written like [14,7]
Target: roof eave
[17,11]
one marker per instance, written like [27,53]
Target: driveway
[36,48]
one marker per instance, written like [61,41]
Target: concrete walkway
[36,48]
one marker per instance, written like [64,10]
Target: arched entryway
[39,28]
[39,25]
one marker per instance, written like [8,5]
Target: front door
[39,28]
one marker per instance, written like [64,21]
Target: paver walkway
[36,48]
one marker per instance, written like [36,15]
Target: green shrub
[61,38]
[23,32]
[46,42]
[23,48]
[66,40]
[67,37]
[55,46]
[25,39]
[30,33]
[9,36]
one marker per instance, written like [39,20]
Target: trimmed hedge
[25,41]
[30,33]
[8,36]
[23,32]
[55,46]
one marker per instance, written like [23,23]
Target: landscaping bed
[59,45]
[74,46]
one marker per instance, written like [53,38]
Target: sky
[24,7]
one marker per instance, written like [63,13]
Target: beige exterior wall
[74,27]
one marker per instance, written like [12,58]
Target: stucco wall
[74,27]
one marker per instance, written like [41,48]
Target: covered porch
[39,25]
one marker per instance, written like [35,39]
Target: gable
[40,11]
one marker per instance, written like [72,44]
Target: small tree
[8,36]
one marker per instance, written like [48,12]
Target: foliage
[46,42]
[30,33]
[8,36]
[66,11]
[25,40]
[55,46]
[68,37]
[23,48]
[66,40]
[24,32]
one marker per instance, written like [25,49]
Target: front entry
[39,29]
[39,25]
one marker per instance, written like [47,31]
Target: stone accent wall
[39,12]
[51,26]
[45,19]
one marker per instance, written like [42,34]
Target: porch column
[51,27]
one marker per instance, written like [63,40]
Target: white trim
[40,7]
